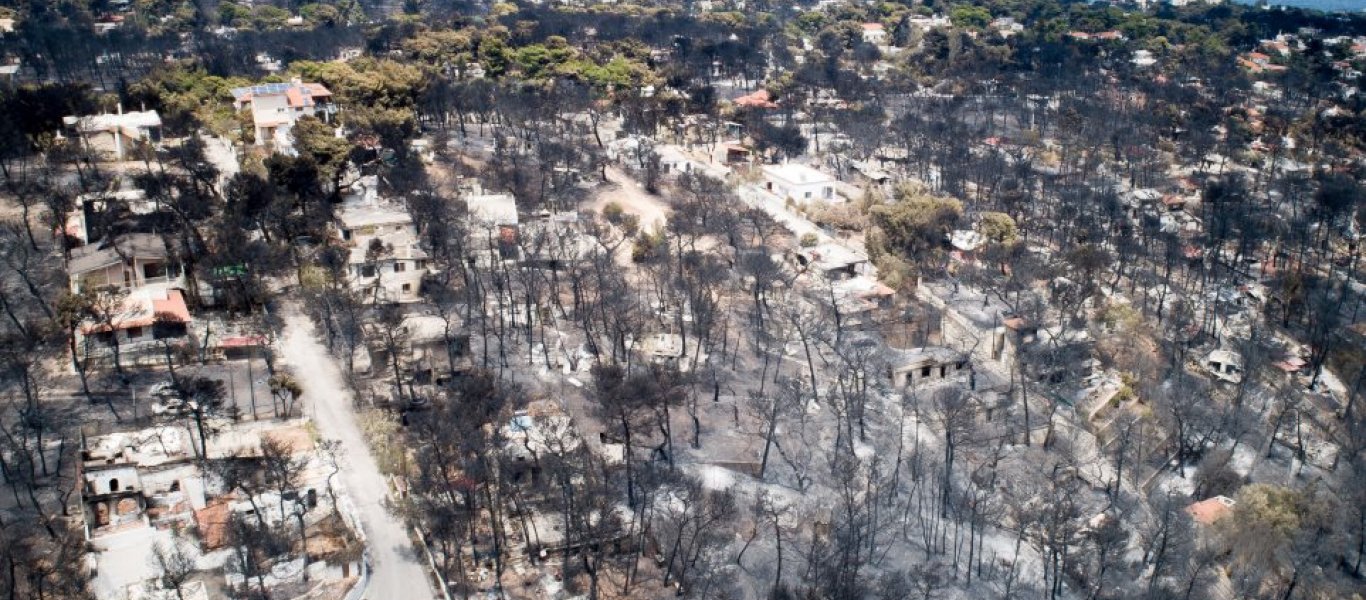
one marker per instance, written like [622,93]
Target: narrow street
[397,571]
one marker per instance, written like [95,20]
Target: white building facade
[799,182]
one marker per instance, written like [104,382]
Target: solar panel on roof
[266,89]
[262,89]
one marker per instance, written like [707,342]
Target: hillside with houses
[719,299]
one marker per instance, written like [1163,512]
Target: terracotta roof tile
[1209,510]
[213,525]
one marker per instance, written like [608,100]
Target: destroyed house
[917,366]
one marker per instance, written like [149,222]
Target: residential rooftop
[297,93]
[111,252]
[128,123]
[797,173]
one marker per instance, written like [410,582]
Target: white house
[275,107]
[386,261]
[799,182]
[672,160]
[490,209]
[832,261]
[928,23]
[494,225]
[875,34]
[116,133]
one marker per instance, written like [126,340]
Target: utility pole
[251,378]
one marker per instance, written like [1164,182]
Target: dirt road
[633,199]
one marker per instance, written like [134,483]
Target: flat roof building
[799,182]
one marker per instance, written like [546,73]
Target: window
[806,195]
[407,288]
[367,271]
[420,264]
[134,333]
[168,329]
[153,270]
[925,371]
[400,267]
[113,485]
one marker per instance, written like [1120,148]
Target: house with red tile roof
[1258,62]
[758,99]
[139,289]
[275,107]
[874,33]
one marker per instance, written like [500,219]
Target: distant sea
[1328,5]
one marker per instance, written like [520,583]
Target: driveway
[397,571]
[633,198]
[220,153]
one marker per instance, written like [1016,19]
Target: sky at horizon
[1333,5]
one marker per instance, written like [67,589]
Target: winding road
[397,572]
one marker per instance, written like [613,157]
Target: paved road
[398,573]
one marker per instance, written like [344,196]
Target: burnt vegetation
[1017,298]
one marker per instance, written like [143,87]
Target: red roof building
[758,99]
[1210,510]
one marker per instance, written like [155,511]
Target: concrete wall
[800,191]
[97,481]
[915,374]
